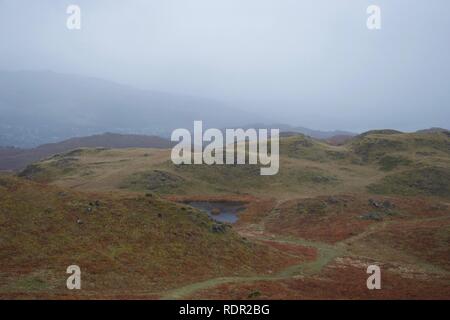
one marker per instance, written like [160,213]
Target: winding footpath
[326,253]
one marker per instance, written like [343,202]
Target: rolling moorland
[123,215]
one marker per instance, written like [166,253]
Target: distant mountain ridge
[433,130]
[285,128]
[15,158]
[38,107]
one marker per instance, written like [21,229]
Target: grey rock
[375,216]
[375,203]
[219,228]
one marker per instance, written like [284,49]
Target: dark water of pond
[223,211]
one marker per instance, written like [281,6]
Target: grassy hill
[308,167]
[374,146]
[17,159]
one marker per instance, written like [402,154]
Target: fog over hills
[42,107]
[286,128]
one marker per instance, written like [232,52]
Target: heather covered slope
[139,245]
[407,237]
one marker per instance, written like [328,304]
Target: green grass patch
[388,163]
[431,181]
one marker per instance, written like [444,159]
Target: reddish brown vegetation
[343,279]
[333,219]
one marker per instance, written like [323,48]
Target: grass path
[326,253]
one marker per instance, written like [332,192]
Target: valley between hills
[126,217]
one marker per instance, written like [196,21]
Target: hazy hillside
[42,107]
[318,134]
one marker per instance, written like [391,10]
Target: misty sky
[312,63]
